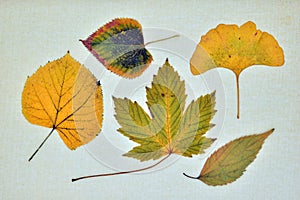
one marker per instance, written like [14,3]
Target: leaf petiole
[124,172]
[192,177]
[41,144]
[238,95]
[160,40]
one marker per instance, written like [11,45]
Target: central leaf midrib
[168,124]
[59,98]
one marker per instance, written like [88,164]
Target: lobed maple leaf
[170,128]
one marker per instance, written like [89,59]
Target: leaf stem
[41,144]
[167,38]
[124,172]
[238,95]
[192,177]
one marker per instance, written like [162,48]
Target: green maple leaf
[171,128]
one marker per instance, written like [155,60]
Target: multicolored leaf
[119,46]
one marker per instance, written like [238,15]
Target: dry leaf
[119,46]
[229,162]
[236,48]
[169,129]
[63,95]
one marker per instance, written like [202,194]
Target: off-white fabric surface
[33,32]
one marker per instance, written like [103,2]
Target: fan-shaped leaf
[236,48]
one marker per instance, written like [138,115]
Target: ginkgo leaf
[65,96]
[169,129]
[229,162]
[119,46]
[236,48]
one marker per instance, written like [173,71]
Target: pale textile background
[34,32]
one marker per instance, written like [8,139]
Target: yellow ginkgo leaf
[65,96]
[236,48]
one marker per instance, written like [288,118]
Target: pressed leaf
[65,96]
[119,46]
[169,129]
[236,48]
[230,161]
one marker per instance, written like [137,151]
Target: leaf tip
[213,94]
[98,83]
[269,132]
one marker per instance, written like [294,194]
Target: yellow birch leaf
[235,48]
[229,162]
[65,96]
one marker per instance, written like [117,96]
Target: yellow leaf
[236,48]
[64,95]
